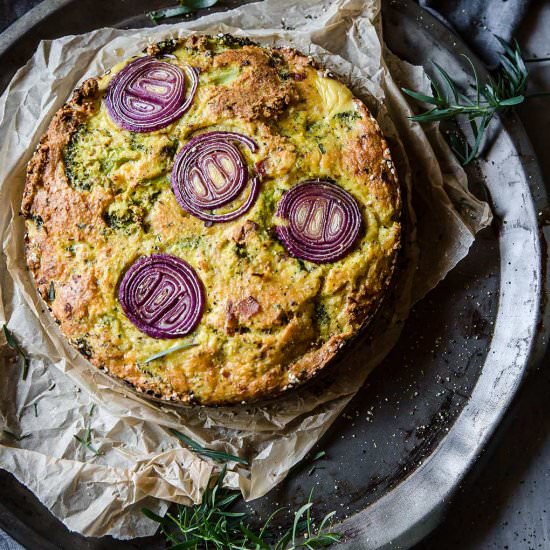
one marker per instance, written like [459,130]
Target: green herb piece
[185,7]
[51,292]
[177,347]
[86,441]
[35,407]
[347,115]
[12,343]
[211,524]
[505,88]
[16,437]
[319,455]
[218,456]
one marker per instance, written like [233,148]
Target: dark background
[505,502]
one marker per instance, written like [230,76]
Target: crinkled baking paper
[140,463]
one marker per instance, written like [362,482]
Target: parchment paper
[141,464]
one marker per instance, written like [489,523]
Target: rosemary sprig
[16,437]
[177,347]
[211,524]
[185,7]
[86,441]
[218,456]
[12,343]
[505,88]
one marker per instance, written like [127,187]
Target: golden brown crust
[258,91]
[264,330]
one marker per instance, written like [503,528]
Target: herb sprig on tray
[218,456]
[185,7]
[504,89]
[211,524]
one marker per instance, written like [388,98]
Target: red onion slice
[210,172]
[148,94]
[323,221]
[162,295]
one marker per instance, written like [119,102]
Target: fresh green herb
[86,441]
[12,343]
[177,347]
[211,524]
[318,456]
[321,315]
[241,251]
[313,469]
[218,456]
[505,88]
[118,218]
[51,292]
[35,406]
[185,7]
[16,437]
[76,170]
[347,116]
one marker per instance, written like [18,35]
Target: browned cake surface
[98,197]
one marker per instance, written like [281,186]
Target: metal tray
[399,452]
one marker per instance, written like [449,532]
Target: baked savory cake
[213,220]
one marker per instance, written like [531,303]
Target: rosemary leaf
[218,456]
[166,13]
[16,437]
[12,343]
[422,97]
[86,442]
[297,516]
[10,339]
[185,7]
[155,517]
[319,455]
[177,347]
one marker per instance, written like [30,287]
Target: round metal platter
[407,440]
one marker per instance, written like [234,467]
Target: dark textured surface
[506,503]
[10,10]
[477,21]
